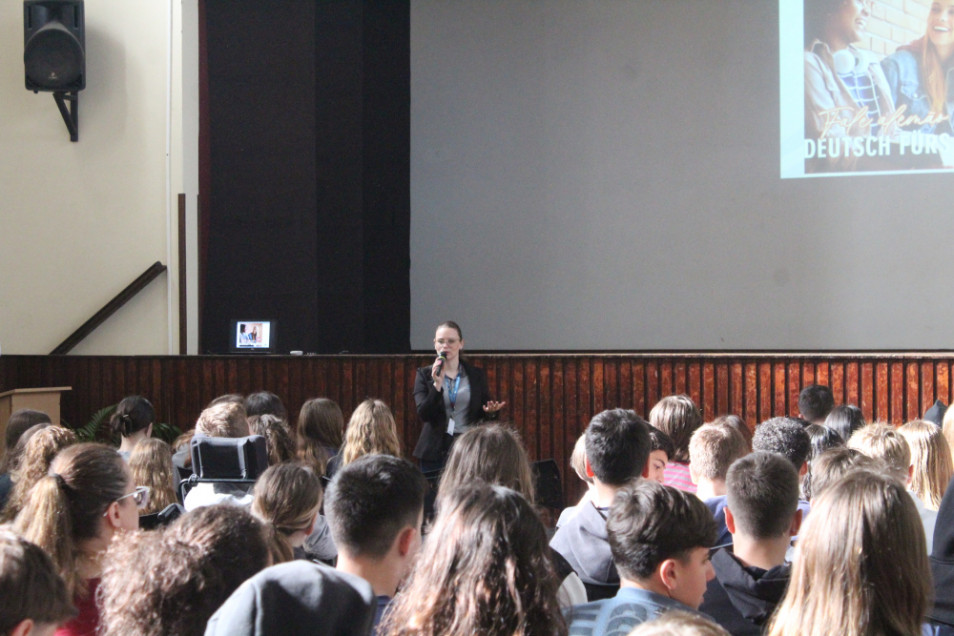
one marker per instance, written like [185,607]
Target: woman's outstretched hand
[492,406]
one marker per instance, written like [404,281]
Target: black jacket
[740,598]
[430,408]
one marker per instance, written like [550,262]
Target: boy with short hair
[712,449]
[617,449]
[375,507]
[762,514]
[660,538]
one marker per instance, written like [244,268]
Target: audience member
[132,420]
[277,434]
[287,498]
[578,464]
[762,515]
[73,514]
[679,623]
[371,431]
[661,451]
[151,466]
[845,419]
[787,437]
[171,581]
[320,431]
[17,425]
[831,466]
[712,449]
[822,439]
[678,417]
[265,403]
[39,449]
[736,422]
[660,538]
[297,598]
[375,508]
[882,442]
[484,569]
[931,463]
[33,597]
[493,453]
[861,566]
[941,615]
[225,418]
[617,450]
[815,402]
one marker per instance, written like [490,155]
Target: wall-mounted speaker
[54,45]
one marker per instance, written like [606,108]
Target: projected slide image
[866,87]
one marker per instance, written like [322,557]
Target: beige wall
[79,221]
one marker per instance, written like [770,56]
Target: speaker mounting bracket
[71,114]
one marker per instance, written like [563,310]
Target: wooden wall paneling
[765,393]
[882,391]
[779,389]
[694,388]
[837,382]
[596,382]
[571,399]
[912,391]
[942,388]
[544,413]
[794,377]
[585,387]
[666,382]
[680,384]
[808,373]
[713,401]
[866,390]
[736,388]
[928,387]
[851,385]
[822,369]
[898,391]
[638,378]
[749,407]
[625,383]
[653,384]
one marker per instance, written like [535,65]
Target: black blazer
[430,408]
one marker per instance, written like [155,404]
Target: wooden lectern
[42,399]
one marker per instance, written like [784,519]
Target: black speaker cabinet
[54,45]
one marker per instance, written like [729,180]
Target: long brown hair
[151,465]
[34,464]
[492,453]
[862,563]
[287,498]
[485,569]
[371,430]
[320,425]
[68,505]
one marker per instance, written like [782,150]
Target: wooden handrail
[110,308]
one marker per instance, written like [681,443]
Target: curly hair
[171,581]
[485,569]
[34,463]
[277,434]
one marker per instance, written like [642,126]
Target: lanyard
[452,390]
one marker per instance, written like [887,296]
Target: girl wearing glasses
[451,396]
[73,514]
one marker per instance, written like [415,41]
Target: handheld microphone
[441,359]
